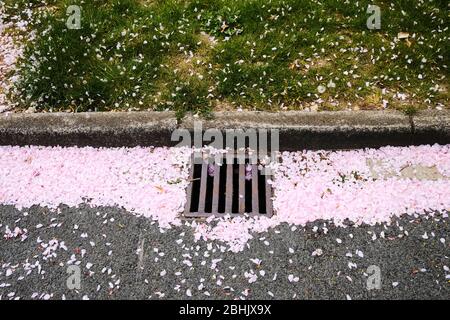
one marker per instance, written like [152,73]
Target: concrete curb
[298,129]
[321,130]
[108,129]
[431,126]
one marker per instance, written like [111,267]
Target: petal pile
[361,186]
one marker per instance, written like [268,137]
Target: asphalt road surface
[121,256]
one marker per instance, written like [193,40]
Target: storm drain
[230,188]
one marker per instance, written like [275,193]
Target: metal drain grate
[233,188]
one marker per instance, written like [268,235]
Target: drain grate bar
[189,190]
[241,188]
[255,197]
[215,202]
[202,196]
[230,189]
[268,195]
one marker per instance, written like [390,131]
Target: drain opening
[232,188]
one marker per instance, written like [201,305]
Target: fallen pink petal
[362,186]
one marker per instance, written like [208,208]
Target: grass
[201,55]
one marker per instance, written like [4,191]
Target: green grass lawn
[204,55]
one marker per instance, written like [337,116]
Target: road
[122,256]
